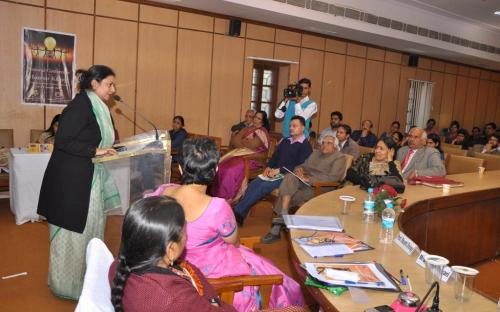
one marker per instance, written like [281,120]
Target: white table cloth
[25,179]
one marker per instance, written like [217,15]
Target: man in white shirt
[301,105]
[335,121]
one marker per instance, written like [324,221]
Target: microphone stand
[435,301]
[119,99]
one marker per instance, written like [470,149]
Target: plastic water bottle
[388,217]
[369,207]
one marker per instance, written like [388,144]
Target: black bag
[394,181]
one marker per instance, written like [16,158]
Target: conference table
[462,226]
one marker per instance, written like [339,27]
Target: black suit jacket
[65,193]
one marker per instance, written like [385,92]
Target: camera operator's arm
[307,113]
[280,111]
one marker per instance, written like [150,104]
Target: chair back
[365,150]
[272,147]
[7,138]
[491,162]
[453,150]
[35,135]
[348,163]
[217,140]
[462,164]
[447,145]
[96,292]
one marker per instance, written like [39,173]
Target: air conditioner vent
[352,13]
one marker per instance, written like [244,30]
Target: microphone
[435,301]
[117,98]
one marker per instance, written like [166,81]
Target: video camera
[293,91]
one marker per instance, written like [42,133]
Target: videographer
[296,102]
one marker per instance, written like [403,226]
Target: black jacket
[65,193]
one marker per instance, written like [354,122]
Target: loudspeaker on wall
[413,61]
[234,27]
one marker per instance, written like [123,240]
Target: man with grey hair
[325,164]
[245,123]
[419,160]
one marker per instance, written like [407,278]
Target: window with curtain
[419,103]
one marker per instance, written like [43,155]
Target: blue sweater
[290,155]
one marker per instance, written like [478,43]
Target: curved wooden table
[463,226]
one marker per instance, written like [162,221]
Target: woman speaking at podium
[75,193]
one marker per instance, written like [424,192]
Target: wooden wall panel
[423,74]
[336,46]
[446,113]
[82,26]
[475,72]
[393,57]
[260,32]
[119,9]
[482,101]
[389,100]
[156,97]
[194,65]
[332,89]
[35,2]
[470,103]
[313,42]
[284,52]
[353,91]
[375,54]
[82,6]
[225,109]
[119,52]
[437,65]
[288,37]
[404,89]
[460,96]
[196,21]
[451,68]
[13,115]
[358,50]
[372,93]
[437,96]
[311,66]
[463,70]
[158,15]
[424,63]
[497,114]
[492,103]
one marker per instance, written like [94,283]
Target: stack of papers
[317,223]
[330,244]
[333,250]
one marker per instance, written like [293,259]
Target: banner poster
[48,67]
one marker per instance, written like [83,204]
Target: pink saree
[230,183]
[206,249]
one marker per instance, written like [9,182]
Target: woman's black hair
[389,142]
[96,72]
[437,141]
[149,225]
[199,161]
[52,123]
[265,120]
[456,123]
[180,118]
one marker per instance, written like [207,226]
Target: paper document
[301,180]
[266,178]
[330,238]
[318,223]
[333,250]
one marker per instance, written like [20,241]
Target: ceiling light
[497,13]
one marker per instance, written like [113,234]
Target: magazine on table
[352,274]
[318,223]
[322,239]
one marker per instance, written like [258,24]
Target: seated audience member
[324,165]
[368,167]
[212,234]
[452,132]
[346,144]
[149,274]
[289,153]
[335,121]
[395,125]
[434,141]
[492,146]
[49,135]
[230,181]
[419,160]
[365,137]
[177,134]
[397,137]
[245,123]
[461,138]
[476,138]
[431,127]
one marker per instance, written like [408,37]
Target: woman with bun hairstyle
[76,193]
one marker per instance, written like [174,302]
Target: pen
[364,283]
[409,283]
[403,280]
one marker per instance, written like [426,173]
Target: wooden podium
[141,165]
